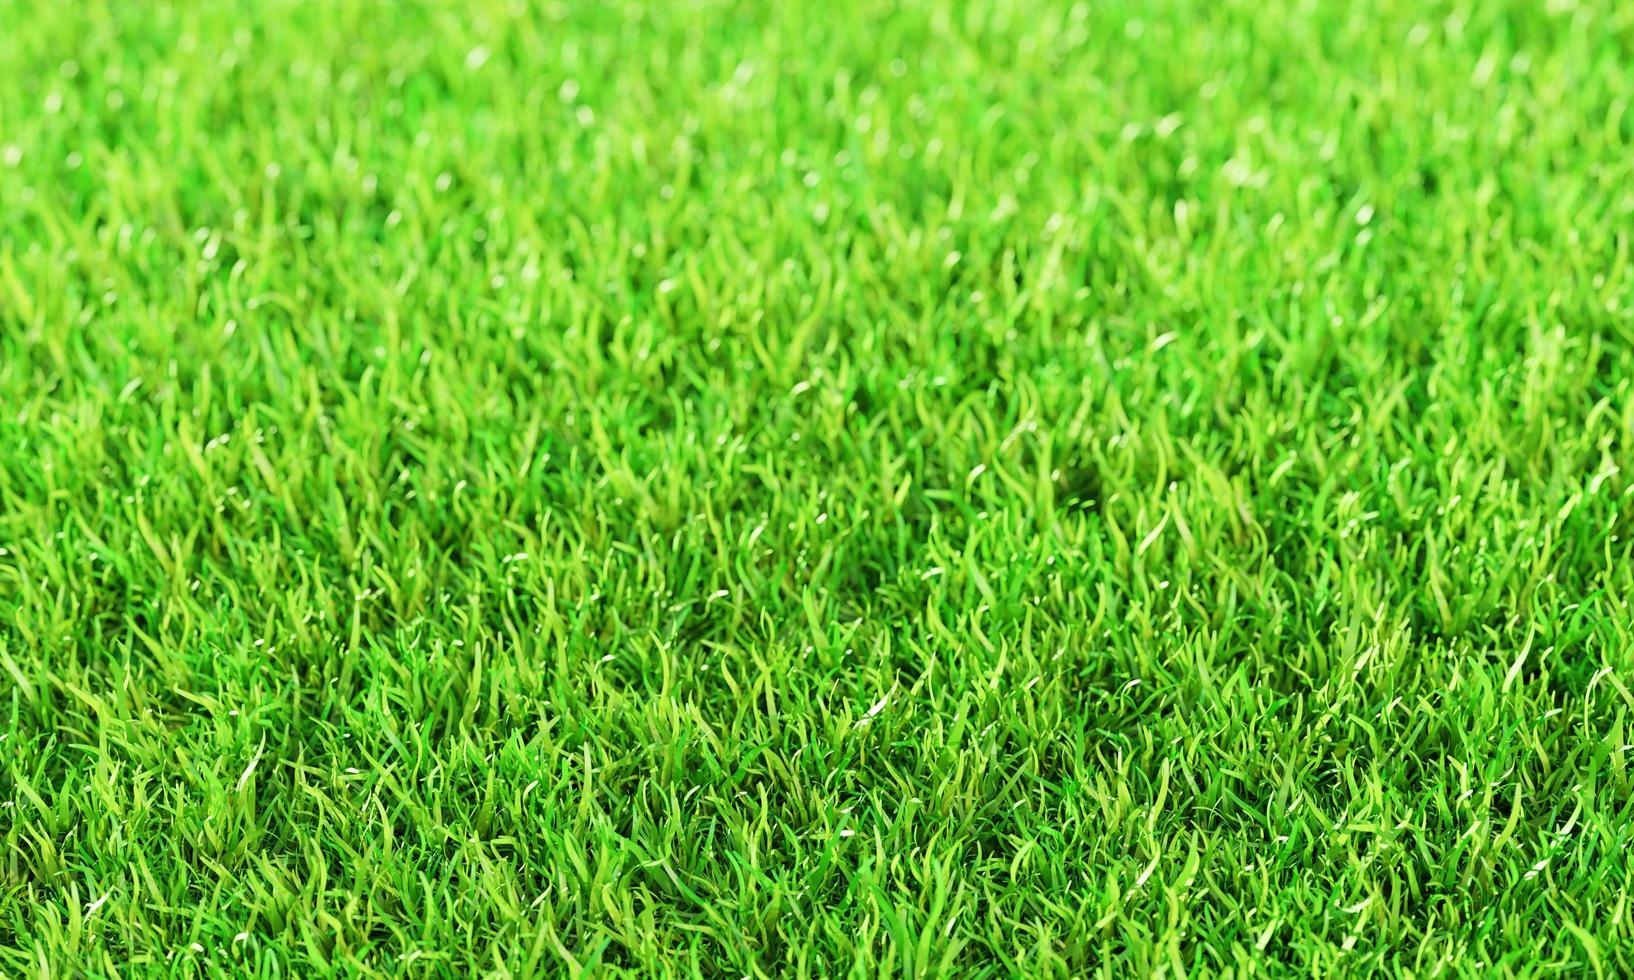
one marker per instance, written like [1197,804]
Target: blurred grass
[721,489]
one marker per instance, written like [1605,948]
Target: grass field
[991,488]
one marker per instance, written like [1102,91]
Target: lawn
[714,489]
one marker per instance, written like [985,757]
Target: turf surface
[816,489]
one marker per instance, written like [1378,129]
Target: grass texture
[990,488]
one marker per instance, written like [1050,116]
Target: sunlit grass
[992,488]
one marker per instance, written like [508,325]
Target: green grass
[1006,488]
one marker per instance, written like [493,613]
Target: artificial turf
[816,489]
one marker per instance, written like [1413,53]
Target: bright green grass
[817,489]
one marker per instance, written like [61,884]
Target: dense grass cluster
[813,489]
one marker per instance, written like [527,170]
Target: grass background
[722,489]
